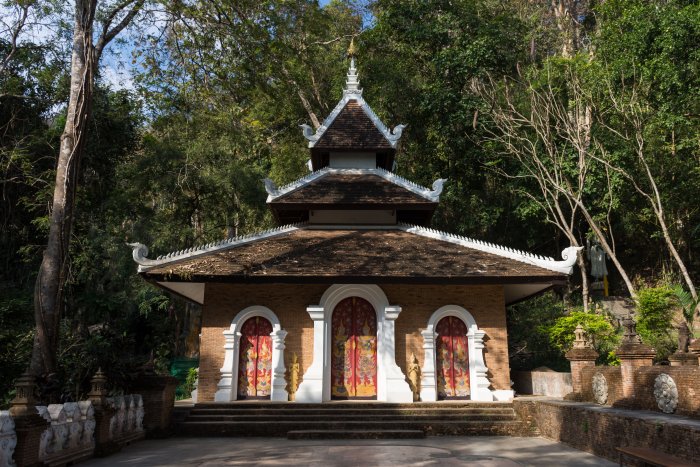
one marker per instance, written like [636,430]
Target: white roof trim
[140,251]
[568,254]
[352,92]
[566,266]
[433,194]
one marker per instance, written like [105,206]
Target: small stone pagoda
[354,286]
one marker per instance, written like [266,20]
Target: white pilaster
[394,387]
[229,374]
[428,386]
[311,387]
[279,390]
[478,370]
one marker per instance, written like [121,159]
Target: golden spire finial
[352,50]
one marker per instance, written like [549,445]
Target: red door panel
[354,350]
[452,359]
[255,359]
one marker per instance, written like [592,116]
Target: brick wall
[613,376]
[485,303]
[600,430]
[289,302]
[687,379]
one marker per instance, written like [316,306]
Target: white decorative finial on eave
[270,187]
[395,134]
[438,185]
[352,84]
[309,133]
[570,255]
[139,253]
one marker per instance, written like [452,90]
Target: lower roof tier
[388,254]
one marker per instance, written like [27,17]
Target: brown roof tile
[380,255]
[350,189]
[352,129]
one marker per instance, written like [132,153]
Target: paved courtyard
[483,451]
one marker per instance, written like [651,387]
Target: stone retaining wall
[543,383]
[599,430]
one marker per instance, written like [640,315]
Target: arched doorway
[354,350]
[255,359]
[452,359]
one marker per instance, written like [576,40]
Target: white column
[229,372]
[477,368]
[392,382]
[279,390]
[428,386]
[311,387]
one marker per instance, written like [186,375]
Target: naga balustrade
[69,436]
[126,424]
[8,439]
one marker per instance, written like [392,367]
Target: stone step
[348,411]
[280,428]
[349,417]
[333,405]
[355,434]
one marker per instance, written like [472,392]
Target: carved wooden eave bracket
[432,195]
[352,92]
[566,266]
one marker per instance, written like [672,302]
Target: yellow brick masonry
[289,302]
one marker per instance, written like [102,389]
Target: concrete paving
[482,451]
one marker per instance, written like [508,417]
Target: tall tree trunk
[48,291]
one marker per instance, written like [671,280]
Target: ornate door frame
[478,381]
[391,382]
[358,321]
[228,384]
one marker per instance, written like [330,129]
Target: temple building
[353,288]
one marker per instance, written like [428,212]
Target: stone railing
[126,424]
[8,439]
[69,436]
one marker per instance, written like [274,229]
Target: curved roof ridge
[569,254]
[427,193]
[140,251]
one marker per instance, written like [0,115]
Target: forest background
[555,122]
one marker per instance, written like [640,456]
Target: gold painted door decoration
[354,350]
[255,359]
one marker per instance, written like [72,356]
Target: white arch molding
[391,382]
[478,381]
[228,384]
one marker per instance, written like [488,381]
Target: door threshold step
[356,434]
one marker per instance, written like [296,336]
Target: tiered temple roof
[356,222]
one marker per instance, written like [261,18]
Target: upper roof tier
[353,136]
[353,189]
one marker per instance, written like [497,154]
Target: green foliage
[219,98]
[685,301]
[185,390]
[655,313]
[598,327]
[529,346]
